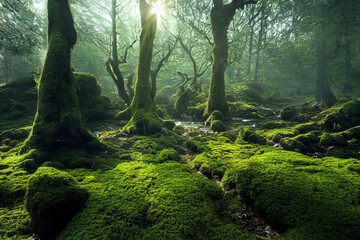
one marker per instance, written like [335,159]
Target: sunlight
[158,8]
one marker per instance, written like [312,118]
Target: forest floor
[282,179]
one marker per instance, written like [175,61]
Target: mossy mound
[218,126]
[301,113]
[273,125]
[18,103]
[302,197]
[342,118]
[312,199]
[248,134]
[292,144]
[216,115]
[243,110]
[140,201]
[92,105]
[52,199]
[144,123]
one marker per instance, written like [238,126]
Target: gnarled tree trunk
[58,122]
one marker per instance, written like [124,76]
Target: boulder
[52,199]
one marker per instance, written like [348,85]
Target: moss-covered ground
[238,184]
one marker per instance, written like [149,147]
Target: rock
[53,197]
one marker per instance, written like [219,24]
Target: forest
[180,119]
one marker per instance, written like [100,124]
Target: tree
[20,33]
[221,16]
[112,65]
[58,122]
[144,118]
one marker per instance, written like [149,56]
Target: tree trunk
[251,39]
[322,83]
[144,118]
[219,24]
[7,68]
[58,122]
[113,64]
[260,42]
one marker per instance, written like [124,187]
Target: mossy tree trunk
[144,118]
[221,16]
[58,122]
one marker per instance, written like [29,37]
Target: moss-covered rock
[169,124]
[305,198]
[168,155]
[273,125]
[248,134]
[335,139]
[243,110]
[292,144]
[53,197]
[179,130]
[307,138]
[342,118]
[93,106]
[218,126]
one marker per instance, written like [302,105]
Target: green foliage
[52,199]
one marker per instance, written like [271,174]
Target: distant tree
[58,122]
[20,33]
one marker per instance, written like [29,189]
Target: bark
[58,122]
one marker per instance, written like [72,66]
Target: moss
[168,155]
[299,195]
[342,153]
[273,125]
[248,134]
[277,134]
[307,138]
[141,201]
[218,126]
[292,144]
[243,110]
[169,124]
[179,130]
[52,199]
[144,123]
[58,121]
[335,139]
[307,127]
[231,135]
[216,115]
